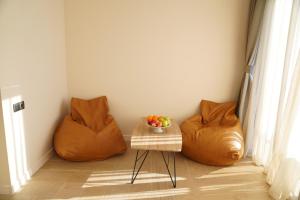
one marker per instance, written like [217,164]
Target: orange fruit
[150,118]
[155,117]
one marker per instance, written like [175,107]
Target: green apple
[168,119]
[165,123]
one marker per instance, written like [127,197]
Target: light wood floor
[109,179]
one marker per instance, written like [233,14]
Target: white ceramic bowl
[157,129]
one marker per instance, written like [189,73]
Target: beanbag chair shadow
[214,136]
[89,132]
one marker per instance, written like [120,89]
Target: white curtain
[273,121]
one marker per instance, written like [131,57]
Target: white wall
[155,56]
[158,56]
[32,55]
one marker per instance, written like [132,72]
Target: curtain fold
[267,79]
[254,23]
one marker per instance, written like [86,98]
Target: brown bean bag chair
[89,133]
[214,136]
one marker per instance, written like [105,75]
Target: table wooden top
[143,138]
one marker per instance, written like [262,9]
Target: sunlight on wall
[15,140]
[124,177]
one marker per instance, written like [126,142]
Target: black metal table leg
[137,158]
[174,167]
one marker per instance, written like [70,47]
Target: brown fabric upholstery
[214,136]
[91,113]
[89,133]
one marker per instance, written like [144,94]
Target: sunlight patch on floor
[239,169]
[124,177]
[219,175]
[226,186]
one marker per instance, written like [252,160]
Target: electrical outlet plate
[19,106]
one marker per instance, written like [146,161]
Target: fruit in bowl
[157,123]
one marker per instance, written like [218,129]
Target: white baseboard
[5,189]
[40,162]
[127,138]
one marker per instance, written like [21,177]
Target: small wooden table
[145,140]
